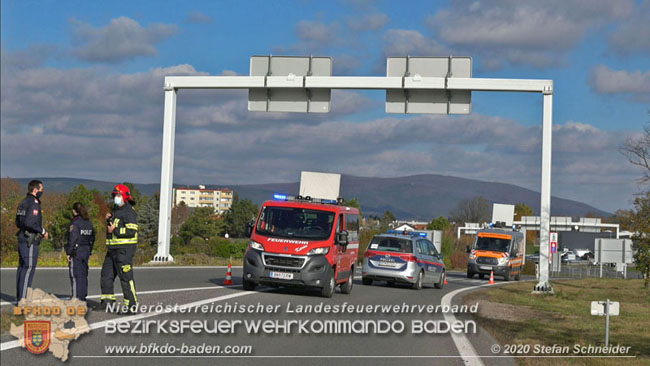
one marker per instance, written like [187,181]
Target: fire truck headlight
[503,260]
[257,246]
[319,251]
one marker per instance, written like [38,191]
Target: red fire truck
[303,242]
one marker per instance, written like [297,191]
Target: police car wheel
[441,283]
[328,290]
[346,288]
[418,282]
[366,281]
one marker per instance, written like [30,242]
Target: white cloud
[317,33]
[633,35]
[636,84]
[368,22]
[536,33]
[401,42]
[196,17]
[33,56]
[122,39]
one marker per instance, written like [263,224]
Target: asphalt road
[202,286]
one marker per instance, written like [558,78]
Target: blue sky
[85,79]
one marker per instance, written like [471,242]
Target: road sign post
[304,84]
[606,308]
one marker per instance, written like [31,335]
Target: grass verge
[7,318]
[58,259]
[514,316]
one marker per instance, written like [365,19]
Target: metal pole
[545,207]
[601,269]
[607,323]
[166,175]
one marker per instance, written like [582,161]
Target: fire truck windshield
[292,222]
[492,244]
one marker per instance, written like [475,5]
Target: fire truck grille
[487,260]
[277,261]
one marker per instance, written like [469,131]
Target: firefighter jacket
[126,226]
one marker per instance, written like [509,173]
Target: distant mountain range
[420,197]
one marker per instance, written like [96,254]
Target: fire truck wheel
[470,274]
[441,283]
[346,288]
[249,285]
[518,276]
[328,289]
[366,281]
[481,276]
[506,277]
[418,282]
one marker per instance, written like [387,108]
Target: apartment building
[219,199]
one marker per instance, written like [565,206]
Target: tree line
[189,225]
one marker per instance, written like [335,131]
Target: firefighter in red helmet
[121,243]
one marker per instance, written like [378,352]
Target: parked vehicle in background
[403,257]
[568,257]
[533,257]
[583,254]
[499,250]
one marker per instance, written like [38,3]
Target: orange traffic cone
[228,280]
[491,278]
[446,280]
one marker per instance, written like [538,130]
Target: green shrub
[46,246]
[529,268]
[459,260]
[224,248]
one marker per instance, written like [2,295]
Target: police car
[403,257]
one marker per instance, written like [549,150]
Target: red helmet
[124,191]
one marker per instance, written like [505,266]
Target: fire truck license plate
[282,275]
[488,268]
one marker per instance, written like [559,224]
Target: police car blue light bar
[278,196]
[406,232]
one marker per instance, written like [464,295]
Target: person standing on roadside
[80,246]
[121,243]
[29,220]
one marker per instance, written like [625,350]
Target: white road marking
[13,344]
[464,346]
[156,292]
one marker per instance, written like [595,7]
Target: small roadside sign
[606,308]
[553,247]
[598,308]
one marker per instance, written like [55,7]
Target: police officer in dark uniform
[121,243]
[80,245]
[29,220]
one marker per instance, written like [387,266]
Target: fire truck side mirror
[342,238]
[249,229]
